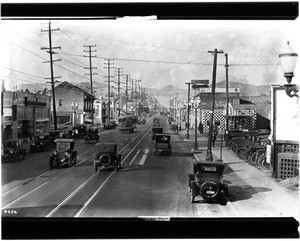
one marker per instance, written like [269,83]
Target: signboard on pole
[201,83]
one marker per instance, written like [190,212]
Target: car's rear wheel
[96,168]
[69,162]
[209,190]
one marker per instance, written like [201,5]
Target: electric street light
[288,63]
[196,102]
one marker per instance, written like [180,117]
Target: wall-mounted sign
[243,112]
[7,112]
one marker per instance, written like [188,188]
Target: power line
[22,72]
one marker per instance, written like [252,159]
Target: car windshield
[62,145]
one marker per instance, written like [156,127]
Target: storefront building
[24,114]
[242,114]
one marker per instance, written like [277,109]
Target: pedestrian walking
[214,135]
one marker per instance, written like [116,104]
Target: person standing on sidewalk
[214,135]
[200,127]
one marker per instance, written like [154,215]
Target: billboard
[286,117]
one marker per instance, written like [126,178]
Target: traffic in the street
[144,185]
[153,121]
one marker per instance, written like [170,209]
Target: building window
[60,102]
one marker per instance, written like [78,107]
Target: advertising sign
[286,117]
[7,112]
[200,82]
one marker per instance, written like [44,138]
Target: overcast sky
[157,52]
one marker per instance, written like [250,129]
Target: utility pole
[227,99]
[91,74]
[136,97]
[188,112]
[119,95]
[108,80]
[51,52]
[126,92]
[209,156]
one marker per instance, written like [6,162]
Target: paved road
[147,185]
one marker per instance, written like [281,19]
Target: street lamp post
[288,63]
[196,103]
[188,112]
[74,108]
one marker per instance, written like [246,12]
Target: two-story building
[24,114]
[73,105]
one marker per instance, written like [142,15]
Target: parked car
[207,181]
[80,131]
[41,142]
[162,144]
[107,155]
[92,135]
[174,126]
[110,124]
[64,153]
[11,150]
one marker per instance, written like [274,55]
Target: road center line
[95,193]
[144,157]
[134,157]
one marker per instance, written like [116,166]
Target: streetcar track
[83,184]
[95,193]
[38,187]
[34,178]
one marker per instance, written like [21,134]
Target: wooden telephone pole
[91,74]
[209,156]
[126,92]
[119,95]
[51,52]
[108,80]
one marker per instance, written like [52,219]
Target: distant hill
[165,93]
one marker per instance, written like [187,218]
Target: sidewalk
[284,194]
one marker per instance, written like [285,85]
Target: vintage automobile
[41,142]
[156,130]
[11,150]
[92,135]
[107,155]
[156,120]
[80,131]
[207,181]
[64,153]
[174,126]
[162,144]
[110,124]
